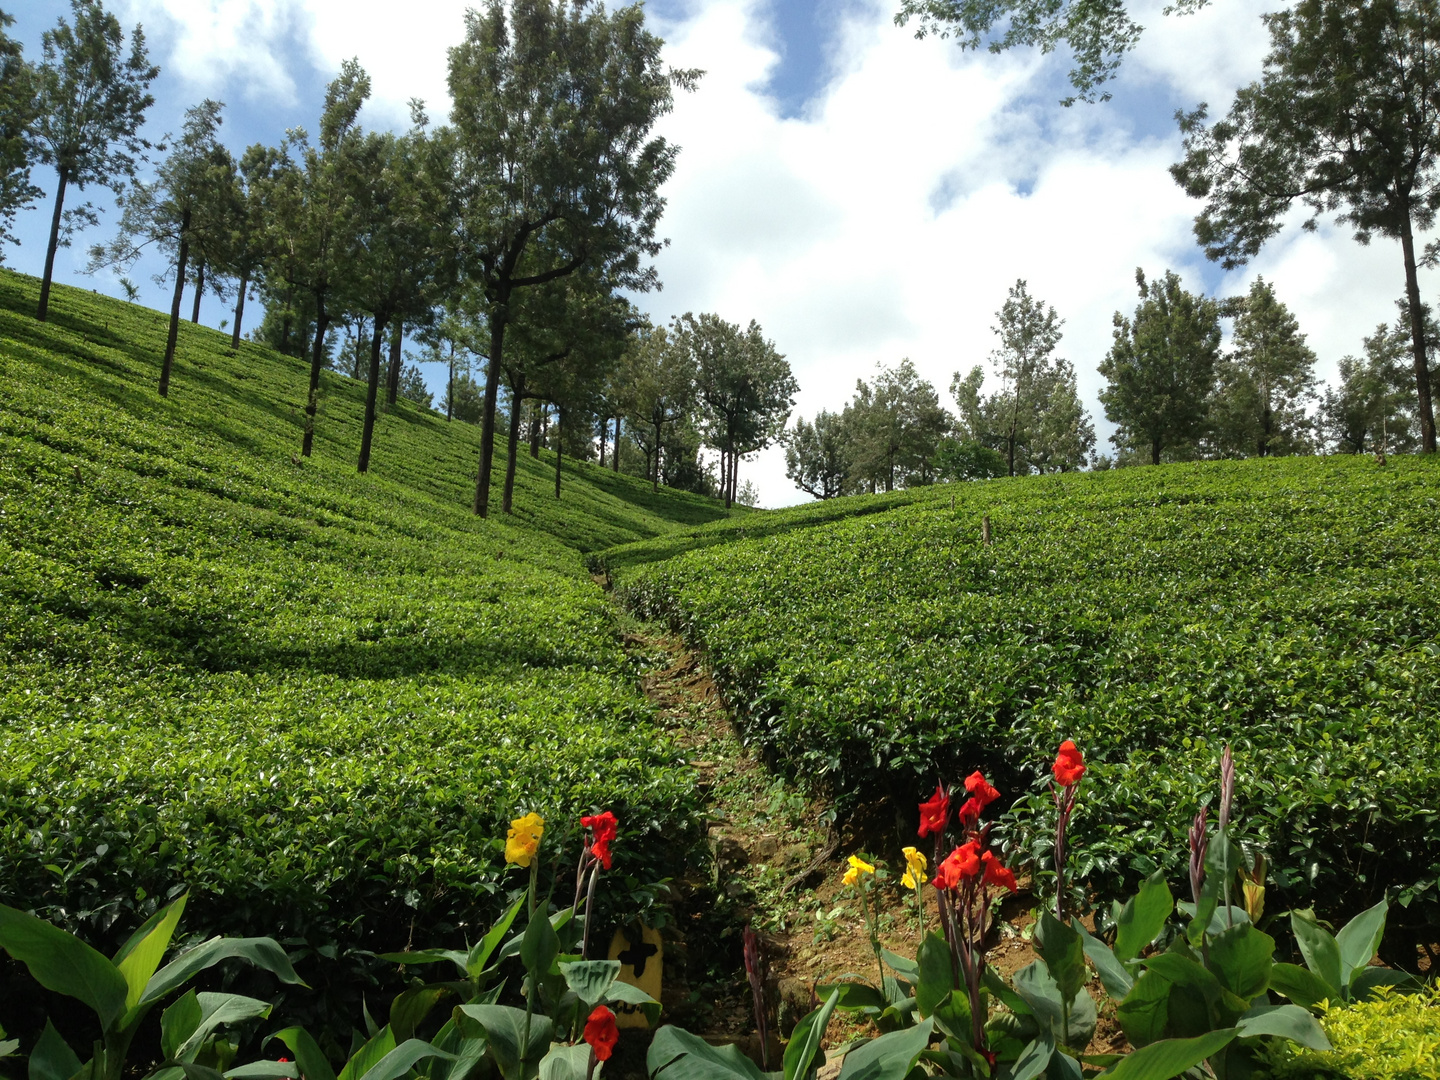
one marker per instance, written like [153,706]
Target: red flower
[606,827]
[997,873]
[1069,766]
[960,864]
[601,1033]
[980,789]
[969,813]
[935,812]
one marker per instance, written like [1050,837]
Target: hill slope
[311,697]
[1287,606]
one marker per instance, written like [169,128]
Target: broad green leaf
[262,952]
[952,1015]
[1182,971]
[590,979]
[1064,954]
[400,1060]
[61,962]
[199,1072]
[52,1058]
[1359,940]
[265,1070]
[675,1054]
[853,995]
[936,973]
[1240,958]
[368,1056]
[503,1028]
[803,1054]
[906,968]
[424,956]
[215,1011]
[539,947]
[1034,984]
[411,1007]
[1083,1019]
[568,1063]
[1285,1021]
[1300,985]
[1366,980]
[1143,917]
[890,1057]
[178,1023]
[1321,952]
[1145,1013]
[1113,976]
[622,993]
[314,1065]
[141,954]
[480,955]
[1170,1057]
[1035,1058]
[1064,1067]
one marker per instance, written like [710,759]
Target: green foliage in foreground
[312,698]
[1394,1037]
[1287,606]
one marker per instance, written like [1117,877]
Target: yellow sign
[640,965]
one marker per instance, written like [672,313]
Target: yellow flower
[915,865]
[524,839]
[857,867]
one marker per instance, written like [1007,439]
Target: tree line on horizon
[503,241]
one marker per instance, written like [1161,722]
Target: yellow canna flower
[915,865]
[857,867]
[524,839]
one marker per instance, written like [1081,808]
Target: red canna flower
[1069,766]
[959,865]
[601,1033]
[605,827]
[969,813]
[935,812]
[997,873]
[979,788]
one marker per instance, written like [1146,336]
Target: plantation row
[311,698]
[1287,606]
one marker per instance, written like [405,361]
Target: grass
[311,697]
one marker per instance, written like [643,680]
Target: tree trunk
[450,387]
[535,430]
[1266,420]
[1425,411]
[559,447]
[729,469]
[1154,451]
[317,358]
[50,250]
[392,384]
[239,311]
[1012,451]
[175,306]
[615,457]
[487,418]
[604,431]
[655,484]
[285,324]
[517,396]
[199,292]
[371,393]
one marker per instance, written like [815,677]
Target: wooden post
[985,530]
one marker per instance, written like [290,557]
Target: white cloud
[891,217]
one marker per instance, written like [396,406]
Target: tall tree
[244,248]
[1368,409]
[554,103]
[90,103]
[17,113]
[404,257]
[819,455]
[186,207]
[312,218]
[1345,119]
[1265,382]
[1064,435]
[661,387]
[895,427]
[1161,367]
[1029,331]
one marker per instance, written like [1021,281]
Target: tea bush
[1150,614]
[311,697]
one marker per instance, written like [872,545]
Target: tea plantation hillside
[1151,614]
[311,697]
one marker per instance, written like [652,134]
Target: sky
[863,195]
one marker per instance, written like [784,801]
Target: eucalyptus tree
[246,245]
[186,206]
[403,256]
[17,112]
[660,377]
[819,456]
[1029,331]
[895,426]
[90,102]
[1160,370]
[1370,408]
[1346,120]
[313,217]
[1266,381]
[554,104]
